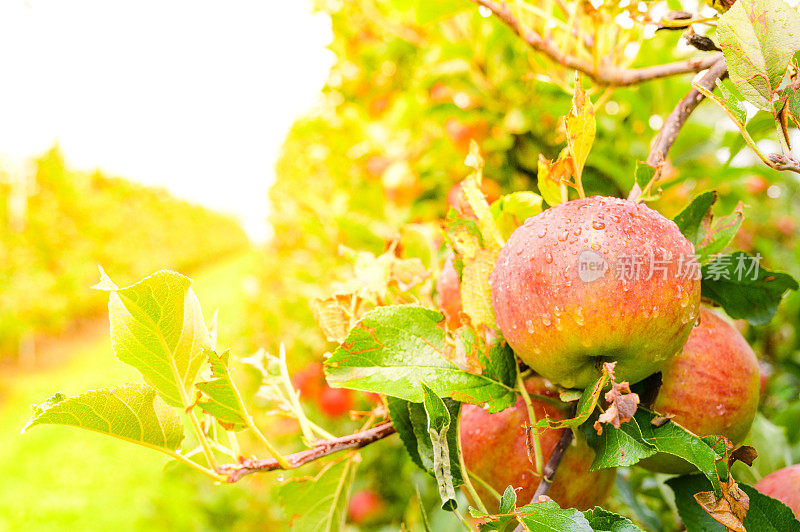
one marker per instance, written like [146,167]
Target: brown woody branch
[784,162]
[323,448]
[677,118]
[605,75]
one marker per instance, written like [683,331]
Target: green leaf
[767,514]
[131,412]
[551,176]
[504,517]
[690,219]
[508,501]
[743,288]
[586,405]
[393,348]
[692,514]
[624,446]
[438,417]
[411,422]
[222,397]
[733,100]
[628,496]
[157,327]
[548,516]
[320,503]
[643,174]
[719,234]
[708,234]
[511,211]
[639,438]
[602,519]
[764,514]
[758,38]
[497,361]
[400,414]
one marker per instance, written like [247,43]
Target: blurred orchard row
[57,225]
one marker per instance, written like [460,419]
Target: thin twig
[323,448]
[552,464]
[608,75]
[677,118]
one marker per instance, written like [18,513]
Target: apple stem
[537,445]
[465,476]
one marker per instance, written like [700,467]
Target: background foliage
[76,221]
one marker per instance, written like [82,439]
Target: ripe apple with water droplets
[495,449]
[711,388]
[596,280]
[784,485]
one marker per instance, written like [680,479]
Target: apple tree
[552,351]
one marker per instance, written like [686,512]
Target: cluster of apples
[564,318]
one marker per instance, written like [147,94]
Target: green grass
[61,478]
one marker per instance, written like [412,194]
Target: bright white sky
[195,96]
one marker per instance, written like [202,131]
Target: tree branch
[552,464]
[323,448]
[612,75]
[677,118]
[784,162]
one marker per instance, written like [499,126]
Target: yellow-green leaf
[131,412]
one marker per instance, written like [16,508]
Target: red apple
[711,388]
[309,381]
[335,402]
[457,200]
[495,449]
[365,506]
[784,485]
[448,293]
[463,134]
[596,280]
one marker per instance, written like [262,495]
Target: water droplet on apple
[543,232]
[546,320]
[564,235]
[598,225]
[548,258]
[579,315]
[529,325]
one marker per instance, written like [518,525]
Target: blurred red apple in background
[457,200]
[364,507]
[711,388]
[309,381]
[596,280]
[784,485]
[311,385]
[462,134]
[335,402]
[495,449]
